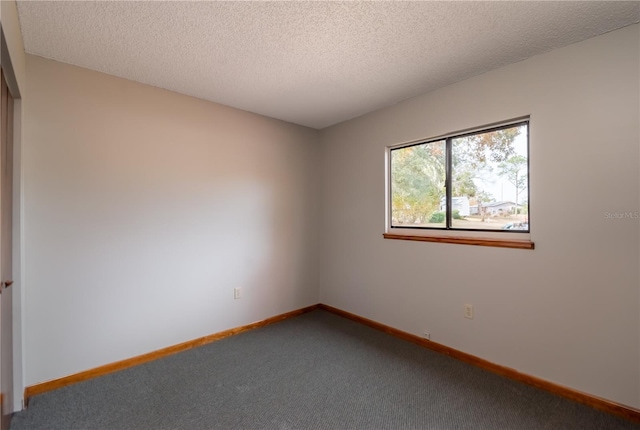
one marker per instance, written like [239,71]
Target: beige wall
[568,311]
[145,208]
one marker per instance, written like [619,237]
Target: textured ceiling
[310,63]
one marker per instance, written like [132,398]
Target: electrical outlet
[468,311]
[426,334]
[237,293]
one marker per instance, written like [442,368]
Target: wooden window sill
[501,243]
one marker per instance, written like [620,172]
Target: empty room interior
[446,190]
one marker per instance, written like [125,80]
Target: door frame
[18,228]
[6,255]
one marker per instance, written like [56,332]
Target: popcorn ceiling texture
[310,63]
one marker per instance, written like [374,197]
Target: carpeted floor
[316,371]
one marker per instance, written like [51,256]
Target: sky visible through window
[499,186]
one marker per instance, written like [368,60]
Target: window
[473,182]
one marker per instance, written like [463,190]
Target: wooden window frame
[449,234]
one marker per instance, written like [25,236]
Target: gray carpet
[316,371]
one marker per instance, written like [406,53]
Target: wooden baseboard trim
[43,387]
[595,402]
[4,416]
